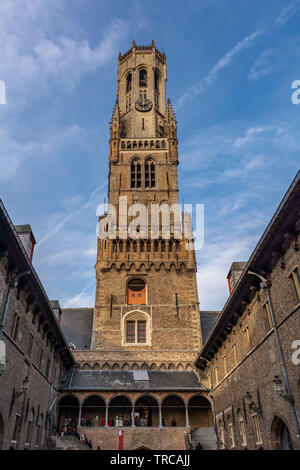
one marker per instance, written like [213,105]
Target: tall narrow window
[243,432]
[295,279]
[135,174]
[225,365]
[41,358]
[156,80]
[130,332]
[231,433]
[128,82]
[143,77]
[257,429]
[216,375]
[141,331]
[29,346]
[16,428]
[248,337]
[235,359]
[15,327]
[268,315]
[152,175]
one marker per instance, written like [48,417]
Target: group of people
[120,421]
[86,441]
[69,428]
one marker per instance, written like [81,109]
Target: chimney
[27,238]
[57,310]
[234,274]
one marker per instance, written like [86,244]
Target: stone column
[132,418]
[79,416]
[106,415]
[187,416]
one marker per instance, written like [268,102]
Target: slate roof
[77,324]
[208,320]
[124,380]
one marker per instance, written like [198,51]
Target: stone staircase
[65,443]
[206,436]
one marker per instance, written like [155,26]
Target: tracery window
[135,170]
[149,174]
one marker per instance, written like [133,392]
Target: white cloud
[262,66]
[202,85]
[13,152]
[85,298]
[287,13]
[33,54]
[214,263]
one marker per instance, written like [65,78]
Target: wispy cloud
[73,214]
[262,66]
[204,83]
[14,152]
[287,13]
[85,298]
[34,54]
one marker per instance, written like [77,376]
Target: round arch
[200,412]
[68,408]
[173,411]
[93,411]
[120,411]
[146,411]
[280,435]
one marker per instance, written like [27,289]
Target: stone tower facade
[146,307]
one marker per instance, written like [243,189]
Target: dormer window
[143,77]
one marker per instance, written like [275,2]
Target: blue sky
[230,64]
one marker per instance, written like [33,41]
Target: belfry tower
[140,373]
[146,309]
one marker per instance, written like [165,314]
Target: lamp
[251,404]
[248,398]
[279,389]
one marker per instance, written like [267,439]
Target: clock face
[143,105]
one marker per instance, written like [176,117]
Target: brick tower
[146,308]
[139,372]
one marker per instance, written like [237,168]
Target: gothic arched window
[149,174]
[128,82]
[135,174]
[136,292]
[136,328]
[143,77]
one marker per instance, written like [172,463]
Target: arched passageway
[93,411]
[281,439]
[200,413]
[146,412]
[68,409]
[120,411]
[173,407]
